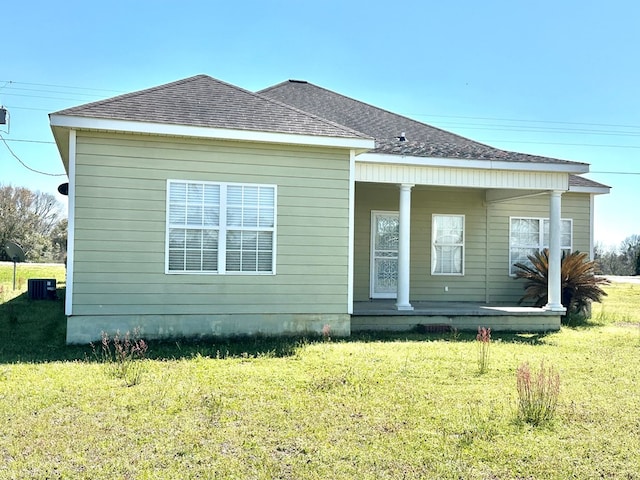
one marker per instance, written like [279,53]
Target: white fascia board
[576,168]
[594,190]
[86,123]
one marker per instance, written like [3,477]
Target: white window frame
[461,245]
[541,243]
[223,228]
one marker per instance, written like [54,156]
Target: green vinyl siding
[486,267]
[424,203]
[120,222]
[576,206]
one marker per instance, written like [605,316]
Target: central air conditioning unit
[42,288]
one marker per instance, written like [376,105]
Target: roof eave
[61,137]
[128,126]
[560,167]
[602,190]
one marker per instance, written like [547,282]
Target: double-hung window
[530,235]
[447,245]
[220,227]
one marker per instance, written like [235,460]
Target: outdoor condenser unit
[42,288]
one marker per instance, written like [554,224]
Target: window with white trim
[447,245]
[530,235]
[220,227]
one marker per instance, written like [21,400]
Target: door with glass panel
[384,255]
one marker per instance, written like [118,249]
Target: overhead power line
[558,127]
[13,107]
[45,97]
[521,120]
[11,82]
[52,91]
[616,173]
[521,125]
[535,129]
[28,141]
[563,144]
[27,166]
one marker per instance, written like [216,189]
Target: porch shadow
[382,315]
[33,331]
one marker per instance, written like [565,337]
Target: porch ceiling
[461,177]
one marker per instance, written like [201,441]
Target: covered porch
[376,315]
[408,273]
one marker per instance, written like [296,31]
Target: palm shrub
[580,286]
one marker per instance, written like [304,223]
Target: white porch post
[554,285]
[404,256]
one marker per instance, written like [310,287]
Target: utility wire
[475,126]
[60,86]
[46,97]
[561,143]
[616,173]
[27,166]
[39,90]
[28,141]
[466,117]
[535,129]
[520,120]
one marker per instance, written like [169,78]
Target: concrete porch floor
[383,315]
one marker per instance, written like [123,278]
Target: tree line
[624,260]
[35,221]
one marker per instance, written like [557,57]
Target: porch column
[554,285]
[404,256]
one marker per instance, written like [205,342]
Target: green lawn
[391,406]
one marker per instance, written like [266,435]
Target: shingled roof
[421,140]
[578,181]
[203,101]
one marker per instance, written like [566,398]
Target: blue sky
[550,78]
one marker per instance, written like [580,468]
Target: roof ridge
[384,110]
[314,116]
[290,107]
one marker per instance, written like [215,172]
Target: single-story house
[200,208]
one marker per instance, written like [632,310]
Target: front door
[384,255]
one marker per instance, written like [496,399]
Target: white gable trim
[379,158]
[85,123]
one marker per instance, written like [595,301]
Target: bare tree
[630,252]
[624,260]
[30,218]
